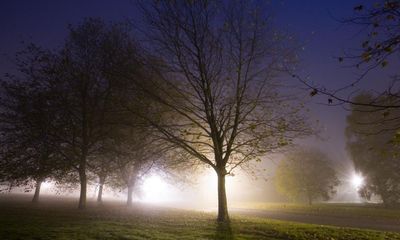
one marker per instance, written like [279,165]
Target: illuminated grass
[328,209]
[60,220]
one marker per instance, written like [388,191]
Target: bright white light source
[46,185]
[156,190]
[357,180]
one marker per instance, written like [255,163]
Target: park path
[364,222]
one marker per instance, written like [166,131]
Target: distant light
[357,180]
[156,190]
[47,185]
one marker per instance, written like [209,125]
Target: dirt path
[342,221]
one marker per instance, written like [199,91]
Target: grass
[329,209]
[59,219]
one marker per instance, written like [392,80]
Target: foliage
[378,24]
[306,175]
[372,141]
[383,36]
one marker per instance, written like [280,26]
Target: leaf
[313,92]
[366,56]
[388,49]
[390,17]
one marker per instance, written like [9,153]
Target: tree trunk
[35,198]
[83,182]
[223,215]
[100,194]
[130,194]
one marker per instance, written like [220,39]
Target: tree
[212,69]
[136,154]
[92,53]
[102,166]
[79,96]
[306,175]
[373,143]
[27,123]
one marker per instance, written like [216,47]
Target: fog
[244,189]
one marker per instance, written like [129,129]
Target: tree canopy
[306,175]
[373,144]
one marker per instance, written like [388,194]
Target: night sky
[313,22]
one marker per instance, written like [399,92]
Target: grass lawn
[330,209]
[59,219]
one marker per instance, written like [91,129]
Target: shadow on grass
[223,231]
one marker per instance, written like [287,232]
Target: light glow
[46,186]
[357,181]
[155,189]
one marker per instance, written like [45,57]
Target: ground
[328,209]
[357,215]
[59,219]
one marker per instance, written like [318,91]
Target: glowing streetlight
[156,190]
[357,180]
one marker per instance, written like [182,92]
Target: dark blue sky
[312,21]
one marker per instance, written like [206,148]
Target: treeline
[202,89]
[66,115]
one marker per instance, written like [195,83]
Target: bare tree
[213,72]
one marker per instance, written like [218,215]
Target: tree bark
[35,198]
[83,182]
[223,215]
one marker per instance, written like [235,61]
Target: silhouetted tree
[306,175]
[102,166]
[92,53]
[213,72]
[136,153]
[27,123]
[373,143]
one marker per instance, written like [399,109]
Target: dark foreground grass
[61,220]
